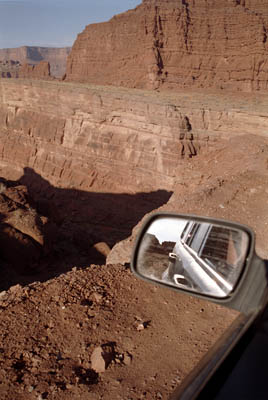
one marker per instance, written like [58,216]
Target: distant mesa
[38,71]
[171,45]
[56,57]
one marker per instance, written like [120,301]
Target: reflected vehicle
[193,255]
[206,258]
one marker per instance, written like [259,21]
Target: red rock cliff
[174,44]
[89,137]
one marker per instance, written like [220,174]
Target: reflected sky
[167,229]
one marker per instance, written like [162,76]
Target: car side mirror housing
[204,257]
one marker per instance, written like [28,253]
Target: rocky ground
[150,337]
[95,331]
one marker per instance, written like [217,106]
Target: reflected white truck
[204,259]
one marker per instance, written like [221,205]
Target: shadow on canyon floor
[86,225]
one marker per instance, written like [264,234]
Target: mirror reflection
[198,256]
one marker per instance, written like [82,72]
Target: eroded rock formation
[33,55]
[38,71]
[172,44]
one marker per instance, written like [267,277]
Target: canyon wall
[33,55]
[171,44]
[76,135]
[118,139]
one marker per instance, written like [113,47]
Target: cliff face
[76,135]
[173,44]
[117,139]
[33,55]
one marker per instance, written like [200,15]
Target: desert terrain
[84,161]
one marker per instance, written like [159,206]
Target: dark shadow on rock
[83,225]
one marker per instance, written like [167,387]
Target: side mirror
[204,257]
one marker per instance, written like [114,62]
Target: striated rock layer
[171,44]
[117,139]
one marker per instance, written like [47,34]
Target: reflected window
[217,242]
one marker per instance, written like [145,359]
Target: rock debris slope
[173,44]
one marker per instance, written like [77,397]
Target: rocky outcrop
[38,71]
[171,44]
[23,231]
[33,55]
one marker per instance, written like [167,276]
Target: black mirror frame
[250,293]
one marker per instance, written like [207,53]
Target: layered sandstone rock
[33,55]
[117,139]
[38,71]
[78,136]
[171,44]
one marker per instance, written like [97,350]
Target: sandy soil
[151,335]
